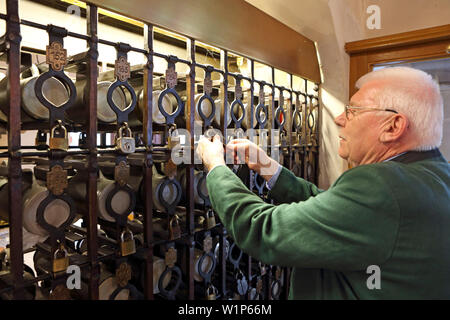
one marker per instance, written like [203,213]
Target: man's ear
[394,128]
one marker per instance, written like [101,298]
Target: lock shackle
[126,127]
[59,125]
[206,119]
[213,288]
[311,118]
[40,218]
[280,110]
[170,294]
[56,112]
[122,115]
[170,117]
[234,262]
[276,284]
[174,219]
[259,186]
[204,197]
[241,282]
[121,218]
[61,248]
[297,125]
[128,231]
[134,292]
[207,275]
[169,206]
[234,104]
[261,107]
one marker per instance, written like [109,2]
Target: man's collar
[392,158]
[413,156]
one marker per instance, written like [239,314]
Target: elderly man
[382,230]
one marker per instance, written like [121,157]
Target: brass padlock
[127,243]
[211,292]
[174,228]
[60,260]
[210,219]
[58,137]
[125,144]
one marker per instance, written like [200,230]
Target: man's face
[358,136]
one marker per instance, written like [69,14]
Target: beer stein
[200,190]
[32,109]
[120,202]
[219,106]
[168,192]
[169,103]
[56,212]
[78,112]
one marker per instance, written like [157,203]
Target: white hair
[414,94]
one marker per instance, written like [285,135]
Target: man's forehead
[364,96]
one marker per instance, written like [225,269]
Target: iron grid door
[174,247]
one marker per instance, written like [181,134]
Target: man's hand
[255,157]
[211,153]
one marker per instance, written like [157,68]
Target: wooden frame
[424,44]
[233,25]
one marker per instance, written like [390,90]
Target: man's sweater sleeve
[344,228]
[289,188]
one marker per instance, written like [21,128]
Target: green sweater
[394,214]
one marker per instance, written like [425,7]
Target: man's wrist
[267,172]
[215,164]
[271,182]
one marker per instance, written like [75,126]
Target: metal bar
[224,95]
[44,27]
[318,122]
[148,163]
[238,75]
[13,39]
[92,73]
[41,153]
[224,116]
[252,112]
[115,44]
[190,116]
[305,167]
[204,66]
[159,55]
[290,122]
[272,113]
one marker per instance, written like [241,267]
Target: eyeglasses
[349,114]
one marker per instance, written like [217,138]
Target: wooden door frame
[419,45]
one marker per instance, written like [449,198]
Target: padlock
[283,138]
[211,292]
[210,219]
[58,137]
[263,269]
[174,228]
[241,283]
[173,138]
[60,260]
[125,144]
[127,245]
[41,140]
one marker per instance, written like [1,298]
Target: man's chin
[342,154]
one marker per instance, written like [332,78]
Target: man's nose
[340,119]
